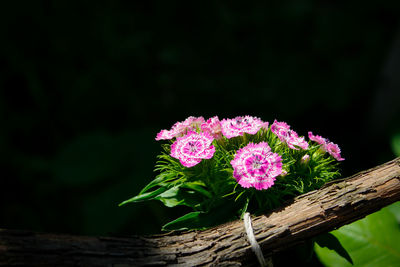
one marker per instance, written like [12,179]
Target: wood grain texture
[337,203]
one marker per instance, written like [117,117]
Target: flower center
[240,123]
[257,162]
[192,146]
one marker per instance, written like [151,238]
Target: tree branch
[337,203]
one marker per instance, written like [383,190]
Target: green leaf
[176,196]
[244,209]
[171,198]
[395,210]
[161,178]
[188,221]
[145,196]
[396,144]
[330,241]
[372,241]
[197,187]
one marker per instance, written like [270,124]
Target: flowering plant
[221,169]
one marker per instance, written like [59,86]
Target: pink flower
[193,122]
[290,137]
[192,148]
[281,129]
[305,159]
[181,128]
[316,138]
[333,150]
[265,125]
[256,166]
[293,141]
[165,135]
[240,125]
[213,127]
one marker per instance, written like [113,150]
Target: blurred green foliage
[372,241]
[396,144]
[85,86]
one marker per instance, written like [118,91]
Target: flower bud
[305,159]
[283,174]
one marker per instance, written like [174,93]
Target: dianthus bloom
[305,159]
[265,126]
[240,125]
[194,122]
[181,128]
[316,138]
[332,148]
[256,166]
[192,148]
[293,141]
[213,127]
[281,129]
[288,136]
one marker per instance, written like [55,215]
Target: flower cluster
[254,165]
[236,165]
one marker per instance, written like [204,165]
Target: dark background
[86,86]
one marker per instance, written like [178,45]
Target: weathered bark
[330,207]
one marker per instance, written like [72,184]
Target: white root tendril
[253,242]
